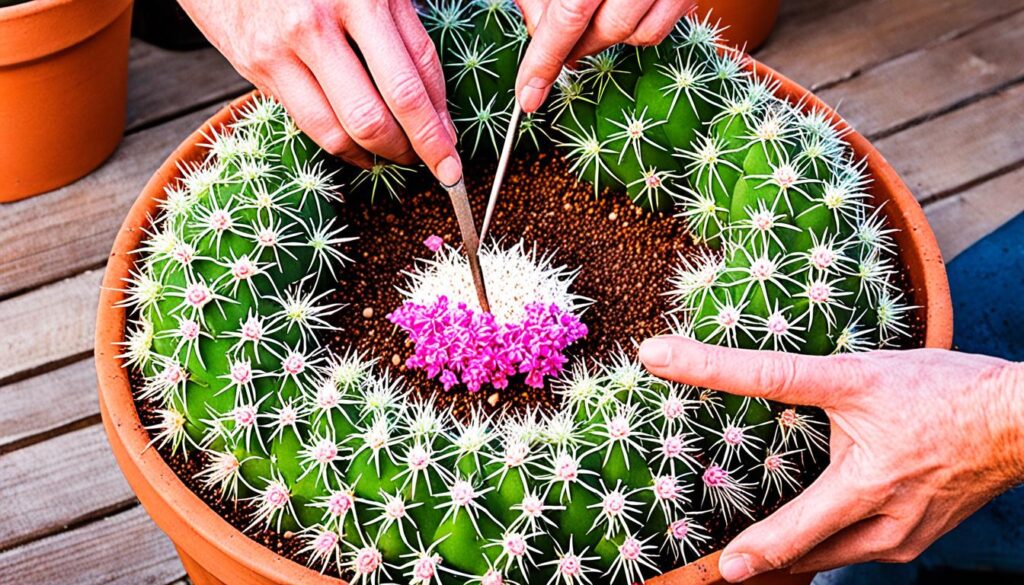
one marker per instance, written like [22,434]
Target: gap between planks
[124,548]
[68,480]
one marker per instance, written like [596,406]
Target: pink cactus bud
[276,496]
[631,549]
[340,503]
[822,257]
[425,568]
[732,436]
[245,415]
[198,295]
[570,566]
[252,329]
[294,363]
[514,545]
[220,220]
[715,476]
[673,408]
[188,330]
[325,542]
[367,561]
[666,488]
[462,493]
[679,529]
[418,458]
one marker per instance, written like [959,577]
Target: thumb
[825,508]
[783,377]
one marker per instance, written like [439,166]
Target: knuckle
[777,375]
[337,143]
[407,93]
[647,37]
[614,28]
[780,557]
[428,142]
[302,21]
[368,122]
[574,14]
[900,555]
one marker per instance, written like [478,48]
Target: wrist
[1006,422]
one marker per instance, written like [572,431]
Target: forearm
[1006,422]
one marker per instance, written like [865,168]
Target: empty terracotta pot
[749,22]
[63,85]
[214,552]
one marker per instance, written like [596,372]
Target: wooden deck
[937,84]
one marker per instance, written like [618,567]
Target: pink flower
[434,242]
[460,345]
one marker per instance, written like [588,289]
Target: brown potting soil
[623,253]
[625,256]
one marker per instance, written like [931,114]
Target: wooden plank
[965,147]
[42,404]
[162,84]
[966,217]
[123,549]
[934,79]
[847,41]
[48,325]
[66,480]
[803,10]
[69,230]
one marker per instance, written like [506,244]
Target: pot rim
[123,425]
[42,27]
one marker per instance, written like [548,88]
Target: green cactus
[229,298]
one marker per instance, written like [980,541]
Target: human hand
[566,30]
[304,52]
[920,440]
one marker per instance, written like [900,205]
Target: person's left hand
[566,30]
[920,440]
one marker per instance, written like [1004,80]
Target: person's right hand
[304,52]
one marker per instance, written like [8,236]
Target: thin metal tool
[499,175]
[470,239]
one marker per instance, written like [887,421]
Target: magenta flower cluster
[459,344]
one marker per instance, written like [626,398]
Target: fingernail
[449,171]
[532,95]
[656,353]
[735,568]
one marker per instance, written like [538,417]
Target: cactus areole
[311,359]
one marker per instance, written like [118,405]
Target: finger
[419,45]
[614,22]
[297,89]
[352,94]
[867,540]
[659,22]
[827,506]
[561,26]
[889,539]
[784,377]
[532,11]
[395,74]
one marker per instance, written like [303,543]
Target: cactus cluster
[631,475]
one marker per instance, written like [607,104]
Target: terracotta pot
[214,552]
[63,85]
[749,22]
